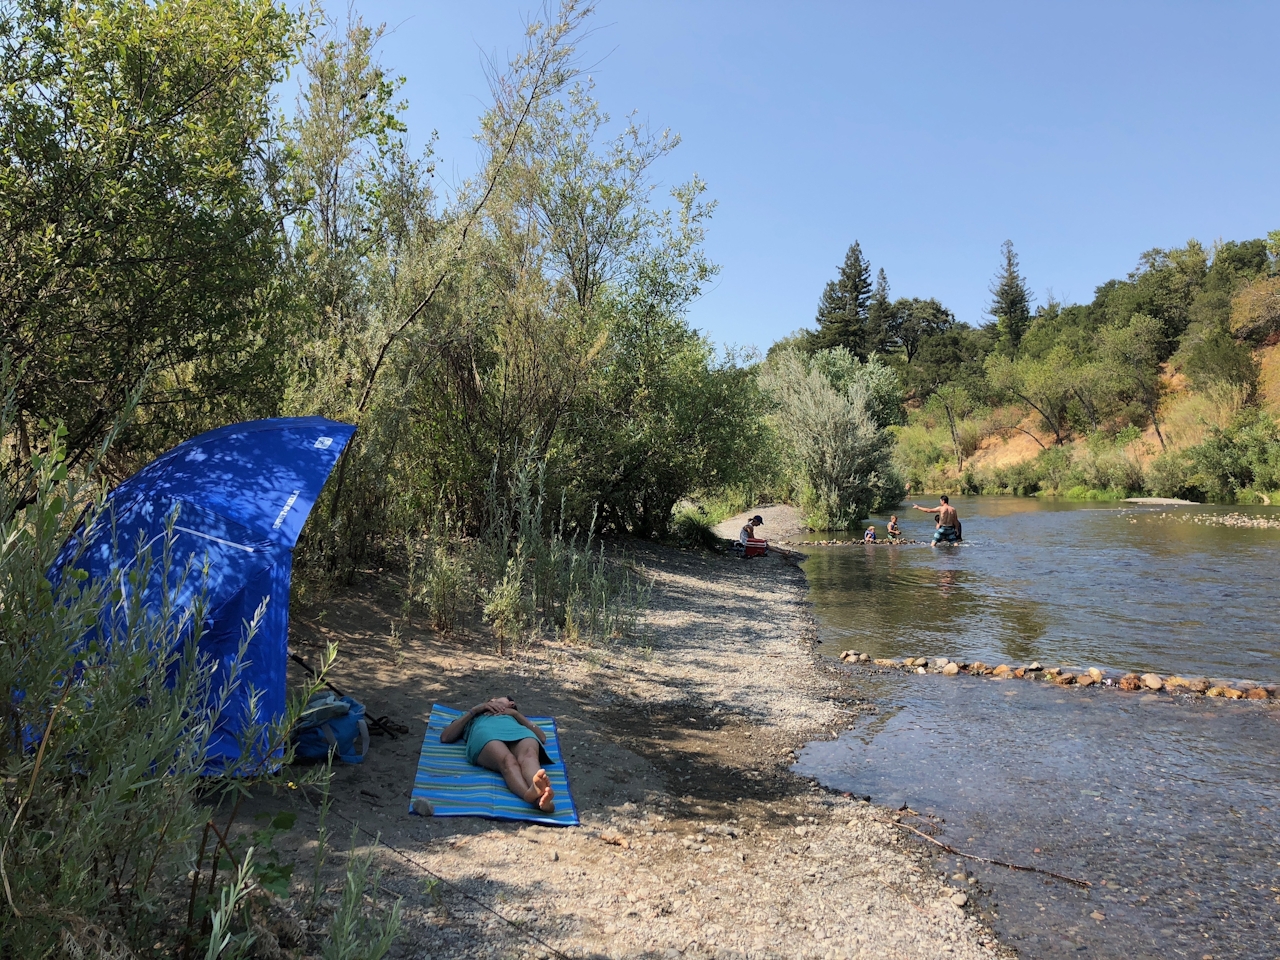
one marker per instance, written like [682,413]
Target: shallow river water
[1170,808]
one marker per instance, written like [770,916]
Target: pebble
[1152,681]
[950,670]
[1096,674]
[959,899]
[1085,679]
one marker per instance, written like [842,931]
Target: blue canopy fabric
[237,497]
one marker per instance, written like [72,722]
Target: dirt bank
[696,840]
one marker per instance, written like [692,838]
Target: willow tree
[833,414]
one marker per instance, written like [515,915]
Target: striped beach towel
[456,788]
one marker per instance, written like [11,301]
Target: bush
[1244,455]
[693,526]
[833,415]
[548,579]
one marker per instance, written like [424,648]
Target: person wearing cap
[749,529]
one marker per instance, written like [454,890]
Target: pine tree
[842,311]
[881,328]
[1011,304]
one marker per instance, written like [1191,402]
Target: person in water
[501,739]
[948,528]
[749,529]
[894,530]
[870,535]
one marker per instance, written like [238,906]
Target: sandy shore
[696,839]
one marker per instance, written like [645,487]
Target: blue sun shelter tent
[237,498]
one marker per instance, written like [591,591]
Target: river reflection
[1119,587]
[1172,810]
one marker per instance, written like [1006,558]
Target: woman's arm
[453,732]
[537,730]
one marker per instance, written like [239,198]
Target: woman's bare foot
[542,783]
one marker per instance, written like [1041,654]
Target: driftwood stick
[972,856]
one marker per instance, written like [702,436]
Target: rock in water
[1130,682]
[1152,682]
[1257,693]
[1084,680]
[1096,674]
[950,670]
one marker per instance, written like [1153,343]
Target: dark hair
[944,499]
[758,520]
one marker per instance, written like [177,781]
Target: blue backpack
[331,723]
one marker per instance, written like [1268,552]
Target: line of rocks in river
[1149,682]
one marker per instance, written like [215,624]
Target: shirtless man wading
[948,530]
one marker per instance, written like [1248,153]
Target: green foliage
[1244,455]
[833,415]
[694,527]
[1215,357]
[545,579]
[356,932]
[138,220]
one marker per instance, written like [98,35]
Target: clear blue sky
[1084,132]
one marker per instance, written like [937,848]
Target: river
[1171,808]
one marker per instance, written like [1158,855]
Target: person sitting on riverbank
[501,739]
[748,532]
[948,523]
[894,530]
[870,535]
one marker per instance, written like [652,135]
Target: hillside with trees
[1165,383]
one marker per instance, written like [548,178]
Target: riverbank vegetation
[1160,385]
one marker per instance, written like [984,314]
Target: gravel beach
[696,840]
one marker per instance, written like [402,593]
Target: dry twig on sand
[973,856]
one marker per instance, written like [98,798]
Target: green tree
[835,432]
[955,404]
[136,221]
[881,326]
[1046,386]
[1010,303]
[842,311]
[1132,354]
[915,321]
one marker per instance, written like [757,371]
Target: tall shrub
[833,414]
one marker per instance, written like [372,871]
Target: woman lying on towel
[499,738]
